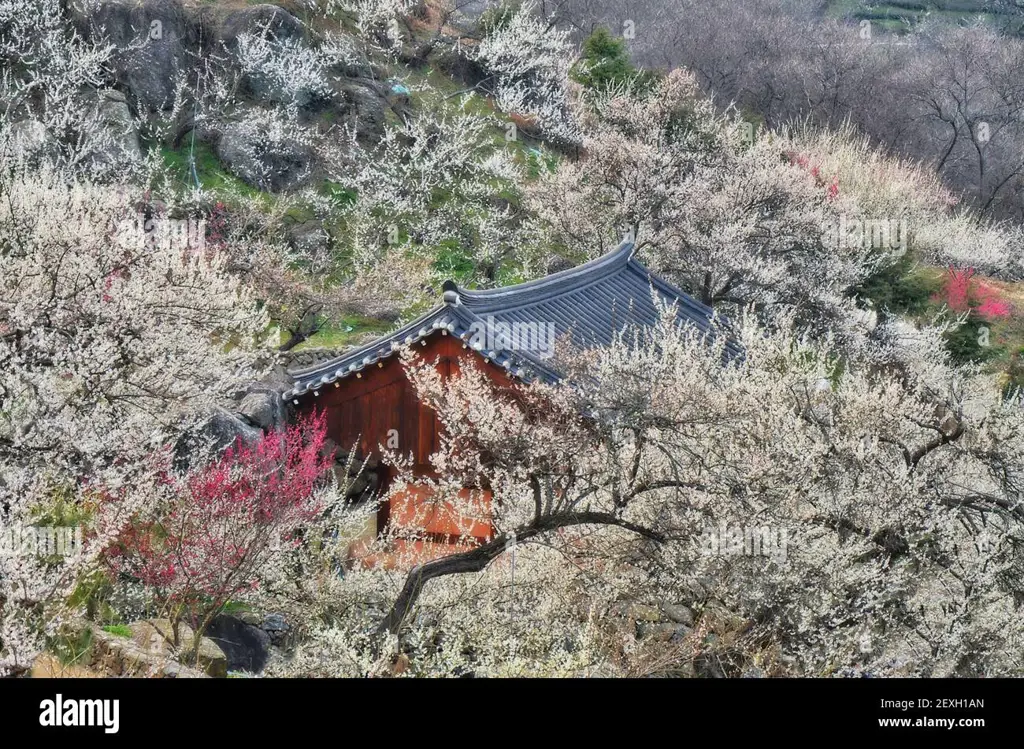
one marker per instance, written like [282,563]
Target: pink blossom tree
[221,523]
[962,291]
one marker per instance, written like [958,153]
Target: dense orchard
[882,473]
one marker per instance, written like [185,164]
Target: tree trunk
[477,559]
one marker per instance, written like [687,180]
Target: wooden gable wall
[362,411]
[364,407]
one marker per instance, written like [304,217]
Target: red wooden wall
[363,408]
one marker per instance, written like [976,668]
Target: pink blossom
[963,293]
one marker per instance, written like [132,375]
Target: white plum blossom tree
[895,492]
[110,348]
[731,222]
[527,59]
[48,87]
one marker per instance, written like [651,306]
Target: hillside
[199,198]
[1007,16]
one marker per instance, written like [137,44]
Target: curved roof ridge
[557,302]
[610,261]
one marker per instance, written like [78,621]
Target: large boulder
[277,628]
[267,19]
[224,429]
[267,163]
[362,104]
[221,430]
[264,409]
[154,70]
[246,647]
[30,140]
[309,238]
[119,144]
[154,45]
[275,36]
[156,637]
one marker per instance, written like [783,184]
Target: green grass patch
[902,288]
[120,630]
[211,174]
[341,196]
[454,261]
[967,344]
[345,332]
[236,607]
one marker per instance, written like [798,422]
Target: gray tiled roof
[590,304]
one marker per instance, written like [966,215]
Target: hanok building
[370,402]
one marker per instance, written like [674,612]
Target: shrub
[223,522]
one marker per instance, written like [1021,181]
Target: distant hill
[901,15]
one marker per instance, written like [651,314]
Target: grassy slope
[433,91]
[912,290]
[900,15]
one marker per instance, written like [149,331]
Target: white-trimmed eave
[516,366]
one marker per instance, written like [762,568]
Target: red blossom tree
[963,292]
[804,162]
[223,522]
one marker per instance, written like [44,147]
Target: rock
[661,632]
[330,448]
[153,43]
[111,654]
[275,623]
[282,34]
[355,65]
[154,70]
[276,22]
[275,381]
[279,164]
[559,263]
[250,618]
[678,613]
[359,485]
[156,636]
[460,67]
[276,627]
[272,390]
[641,612]
[226,428]
[310,238]
[362,104]
[113,116]
[246,647]
[31,140]
[221,430]
[262,410]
